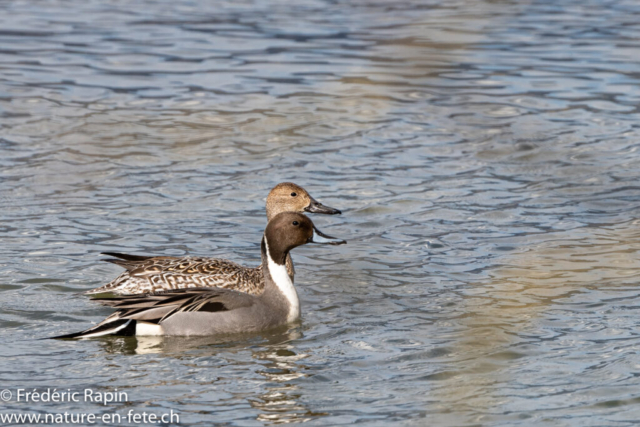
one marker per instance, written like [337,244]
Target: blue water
[484,155]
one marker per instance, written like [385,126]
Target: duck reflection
[280,403]
[277,399]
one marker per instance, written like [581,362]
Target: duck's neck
[278,285]
[292,271]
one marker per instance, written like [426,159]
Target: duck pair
[208,296]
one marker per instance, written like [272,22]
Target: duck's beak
[322,239]
[317,207]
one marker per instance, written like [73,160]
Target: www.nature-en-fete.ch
[130,417]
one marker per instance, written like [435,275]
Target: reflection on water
[280,404]
[276,400]
[484,155]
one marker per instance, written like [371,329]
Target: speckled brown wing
[154,274]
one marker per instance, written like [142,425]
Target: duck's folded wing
[191,299]
[160,306]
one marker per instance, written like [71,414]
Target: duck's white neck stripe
[282,280]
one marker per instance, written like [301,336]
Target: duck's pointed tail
[120,327]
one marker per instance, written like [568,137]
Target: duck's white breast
[283,281]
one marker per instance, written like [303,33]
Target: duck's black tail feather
[120,327]
[126,257]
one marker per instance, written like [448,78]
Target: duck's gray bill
[322,239]
[317,207]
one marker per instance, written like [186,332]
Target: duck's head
[289,230]
[289,197]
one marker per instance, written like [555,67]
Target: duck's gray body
[214,311]
[242,313]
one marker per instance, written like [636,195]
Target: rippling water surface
[484,154]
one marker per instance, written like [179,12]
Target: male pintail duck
[213,311]
[148,274]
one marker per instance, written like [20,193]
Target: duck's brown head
[289,197]
[289,230]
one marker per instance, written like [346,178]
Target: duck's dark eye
[296,223]
[293,194]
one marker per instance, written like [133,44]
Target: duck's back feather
[147,274]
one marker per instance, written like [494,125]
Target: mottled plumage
[147,274]
[154,274]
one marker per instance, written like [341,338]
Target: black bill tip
[319,208]
[323,239]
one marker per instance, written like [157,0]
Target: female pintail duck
[147,274]
[213,311]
